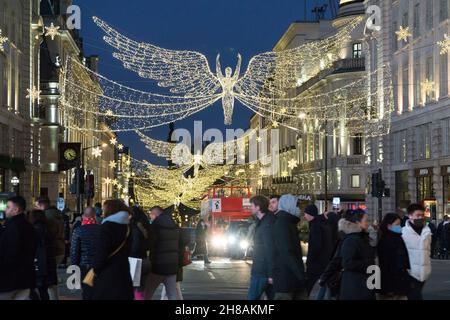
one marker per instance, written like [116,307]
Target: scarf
[87,221]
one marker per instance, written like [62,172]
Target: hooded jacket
[263,252]
[289,271]
[113,279]
[419,247]
[164,245]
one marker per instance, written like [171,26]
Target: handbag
[187,257]
[90,276]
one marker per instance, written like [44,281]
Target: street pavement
[227,279]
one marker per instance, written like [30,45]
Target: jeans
[153,282]
[15,295]
[322,293]
[416,289]
[164,292]
[258,286]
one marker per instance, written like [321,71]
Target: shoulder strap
[121,245]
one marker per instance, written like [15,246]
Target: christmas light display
[3,40]
[52,31]
[445,44]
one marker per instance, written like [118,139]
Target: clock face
[70,154]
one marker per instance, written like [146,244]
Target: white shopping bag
[135,271]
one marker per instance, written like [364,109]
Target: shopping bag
[135,271]
[187,257]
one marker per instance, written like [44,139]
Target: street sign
[216,205]
[15,181]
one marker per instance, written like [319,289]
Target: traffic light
[73,186]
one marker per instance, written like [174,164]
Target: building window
[405,87]
[357,51]
[443,10]
[402,195]
[417,20]
[358,145]
[400,147]
[417,80]
[429,15]
[443,87]
[446,137]
[430,77]
[394,36]
[423,142]
[356,181]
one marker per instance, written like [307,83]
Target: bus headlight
[244,244]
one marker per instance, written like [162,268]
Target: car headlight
[219,242]
[231,239]
[244,244]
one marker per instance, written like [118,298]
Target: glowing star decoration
[445,44]
[259,139]
[302,116]
[34,94]
[109,113]
[97,152]
[113,141]
[107,181]
[52,31]
[283,110]
[114,182]
[292,164]
[403,34]
[120,147]
[112,164]
[275,124]
[285,174]
[428,87]
[119,186]
[3,40]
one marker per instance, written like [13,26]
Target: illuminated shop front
[425,191]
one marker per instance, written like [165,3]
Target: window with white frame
[357,50]
[355,181]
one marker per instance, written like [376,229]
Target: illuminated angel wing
[274,72]
[184,72]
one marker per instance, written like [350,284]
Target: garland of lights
[188,73]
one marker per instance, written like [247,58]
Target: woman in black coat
[357,255]
[111,266]
[45,262]
[393,259]
[201,247]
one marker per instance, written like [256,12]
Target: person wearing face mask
[417,236]
[357,256]
[393,259]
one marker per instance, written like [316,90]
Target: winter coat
[140,242]
[200,240]
[56,228]
[320,246]
[164,245]
[357,255]
[84,241]
[45,262]
[263,251]
[289,271]
[17,254]
[333,272]
[443,235]
[113,279]
[419,247]
[394,264]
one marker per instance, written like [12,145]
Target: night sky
[227,27]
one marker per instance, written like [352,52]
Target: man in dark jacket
[17,253]
[82,251]
[320,245]
[289,271]
[261,280]
[442,239]
[56,228]
[164,254]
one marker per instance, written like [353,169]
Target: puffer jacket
[164,245]
[84,241]
[419,247]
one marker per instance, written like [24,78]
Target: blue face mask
[396,229]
